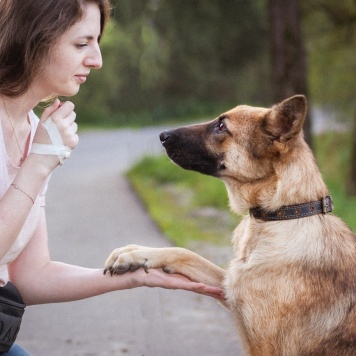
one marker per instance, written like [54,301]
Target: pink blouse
[8,173]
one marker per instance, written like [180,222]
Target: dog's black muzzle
[186,147]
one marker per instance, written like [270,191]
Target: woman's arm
[41,280]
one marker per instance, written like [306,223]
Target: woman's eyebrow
[89,37]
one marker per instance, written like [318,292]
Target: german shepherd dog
[291,286]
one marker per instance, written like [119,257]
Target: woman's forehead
[89,24]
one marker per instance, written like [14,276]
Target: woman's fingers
[62,112]
[50,110]
[158,278]
[63,116]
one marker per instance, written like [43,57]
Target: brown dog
[291,286]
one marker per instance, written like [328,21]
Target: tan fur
[291,286]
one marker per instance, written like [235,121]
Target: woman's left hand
[158,278]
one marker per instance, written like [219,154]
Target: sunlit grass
[185,205]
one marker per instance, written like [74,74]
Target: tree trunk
[352,177]
[288,57]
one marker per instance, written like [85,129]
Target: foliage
[330,32]
[167,59]
[330,28]
[177,199]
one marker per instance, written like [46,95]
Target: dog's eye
[221,126]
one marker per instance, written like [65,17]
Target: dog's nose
[164,136]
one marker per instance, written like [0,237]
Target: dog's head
[241,146]
[239,143]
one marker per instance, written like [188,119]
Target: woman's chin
[69,93]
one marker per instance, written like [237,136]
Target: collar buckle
[327,204]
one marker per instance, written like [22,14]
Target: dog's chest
[258,252]
[247,240]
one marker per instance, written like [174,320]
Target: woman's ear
[285,120]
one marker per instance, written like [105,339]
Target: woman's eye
[81,45]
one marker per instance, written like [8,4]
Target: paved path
[91,210]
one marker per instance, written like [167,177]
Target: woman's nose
[94,59]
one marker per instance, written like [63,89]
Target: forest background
[167,60]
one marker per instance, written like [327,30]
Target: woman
[47,49]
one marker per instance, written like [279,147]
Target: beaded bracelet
[18,188]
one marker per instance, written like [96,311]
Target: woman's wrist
[41,165]
[134,279]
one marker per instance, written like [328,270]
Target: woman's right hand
[63,116]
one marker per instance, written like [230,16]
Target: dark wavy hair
[28,30]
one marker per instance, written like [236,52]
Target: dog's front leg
[170,259]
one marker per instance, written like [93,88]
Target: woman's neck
[17,108]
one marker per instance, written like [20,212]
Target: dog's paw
[123,260]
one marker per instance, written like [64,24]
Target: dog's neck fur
[297,169]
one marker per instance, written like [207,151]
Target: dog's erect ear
[285,120]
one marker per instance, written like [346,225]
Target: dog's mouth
[190,152]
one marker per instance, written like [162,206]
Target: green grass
[333,156]
[185,205]
[189,206]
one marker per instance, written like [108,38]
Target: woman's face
[73,56]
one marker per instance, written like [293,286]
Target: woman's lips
[81,77]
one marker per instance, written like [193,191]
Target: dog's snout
[164,136]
